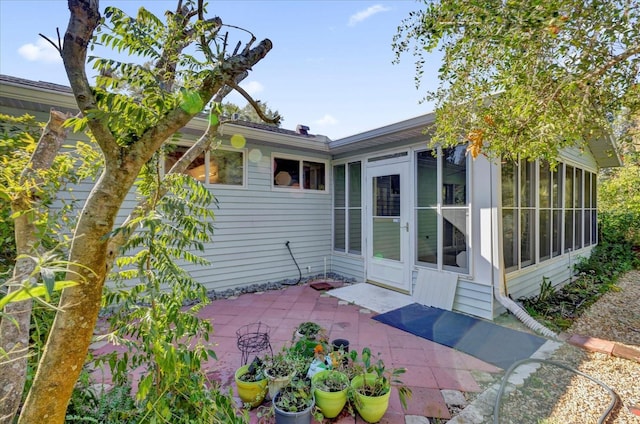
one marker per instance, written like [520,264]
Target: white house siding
[348,266]
[474,299]
[253,225]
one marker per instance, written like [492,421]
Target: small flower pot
[276,383]
[329,403]
[286,417]
[250,392]
[370,408]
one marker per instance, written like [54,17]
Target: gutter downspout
[497,259]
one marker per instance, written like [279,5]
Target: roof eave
[605,152]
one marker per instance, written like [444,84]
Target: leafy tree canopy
[527,78]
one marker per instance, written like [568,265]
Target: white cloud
[252,87]
[326,120]
[41,51]
[367,13]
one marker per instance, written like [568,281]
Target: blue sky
[330,67]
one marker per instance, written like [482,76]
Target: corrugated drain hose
[295,262]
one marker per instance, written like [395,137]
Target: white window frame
[301,160]
[348,210]
[439,208]
[207,154]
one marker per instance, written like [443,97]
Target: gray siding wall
[349,266]
[253,225]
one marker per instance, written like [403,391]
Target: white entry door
[388,249]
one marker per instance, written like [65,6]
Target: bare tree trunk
[14,326]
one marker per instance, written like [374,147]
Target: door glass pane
[509,228]
[355,231]
[338,186]
[454,238]
[386,219]
[454,176]
[427,179]
[338,229]
[386,195]
[427,241]
[355,188]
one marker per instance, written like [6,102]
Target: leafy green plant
[296,396]
[109,406]
[331,381]
[309,329]
[149,317]
[383,377]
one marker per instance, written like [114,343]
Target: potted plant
[251,383]
[371,386]
[279,370]
[309,330]
[330,391]
[294,403]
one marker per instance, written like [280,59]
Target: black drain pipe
[295,262]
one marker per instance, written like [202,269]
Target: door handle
[406,227]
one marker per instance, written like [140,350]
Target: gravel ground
[553,395]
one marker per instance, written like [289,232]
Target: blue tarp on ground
[482,339]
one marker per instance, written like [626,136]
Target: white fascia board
[409,124]
[37,95]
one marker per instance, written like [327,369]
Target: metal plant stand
[253,338]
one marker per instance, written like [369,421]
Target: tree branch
[84,19]
[275,120]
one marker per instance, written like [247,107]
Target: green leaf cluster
[155,303]
[526,79]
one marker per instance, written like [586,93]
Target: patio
[434,371]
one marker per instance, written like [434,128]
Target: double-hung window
[347,208]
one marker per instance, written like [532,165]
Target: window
[220,166]
[347,208]
[298,174]
[442,209]
[562,213]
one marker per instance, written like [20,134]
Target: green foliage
[383,377]
[18,137]
[109,406]
[596,275]
[18,140]
[619,205]
[525,79]
[133,97]
[148,308]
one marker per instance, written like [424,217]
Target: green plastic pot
[250,392]
[329,403]
[370,408]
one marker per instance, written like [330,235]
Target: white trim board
[374,298]
[435,288]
